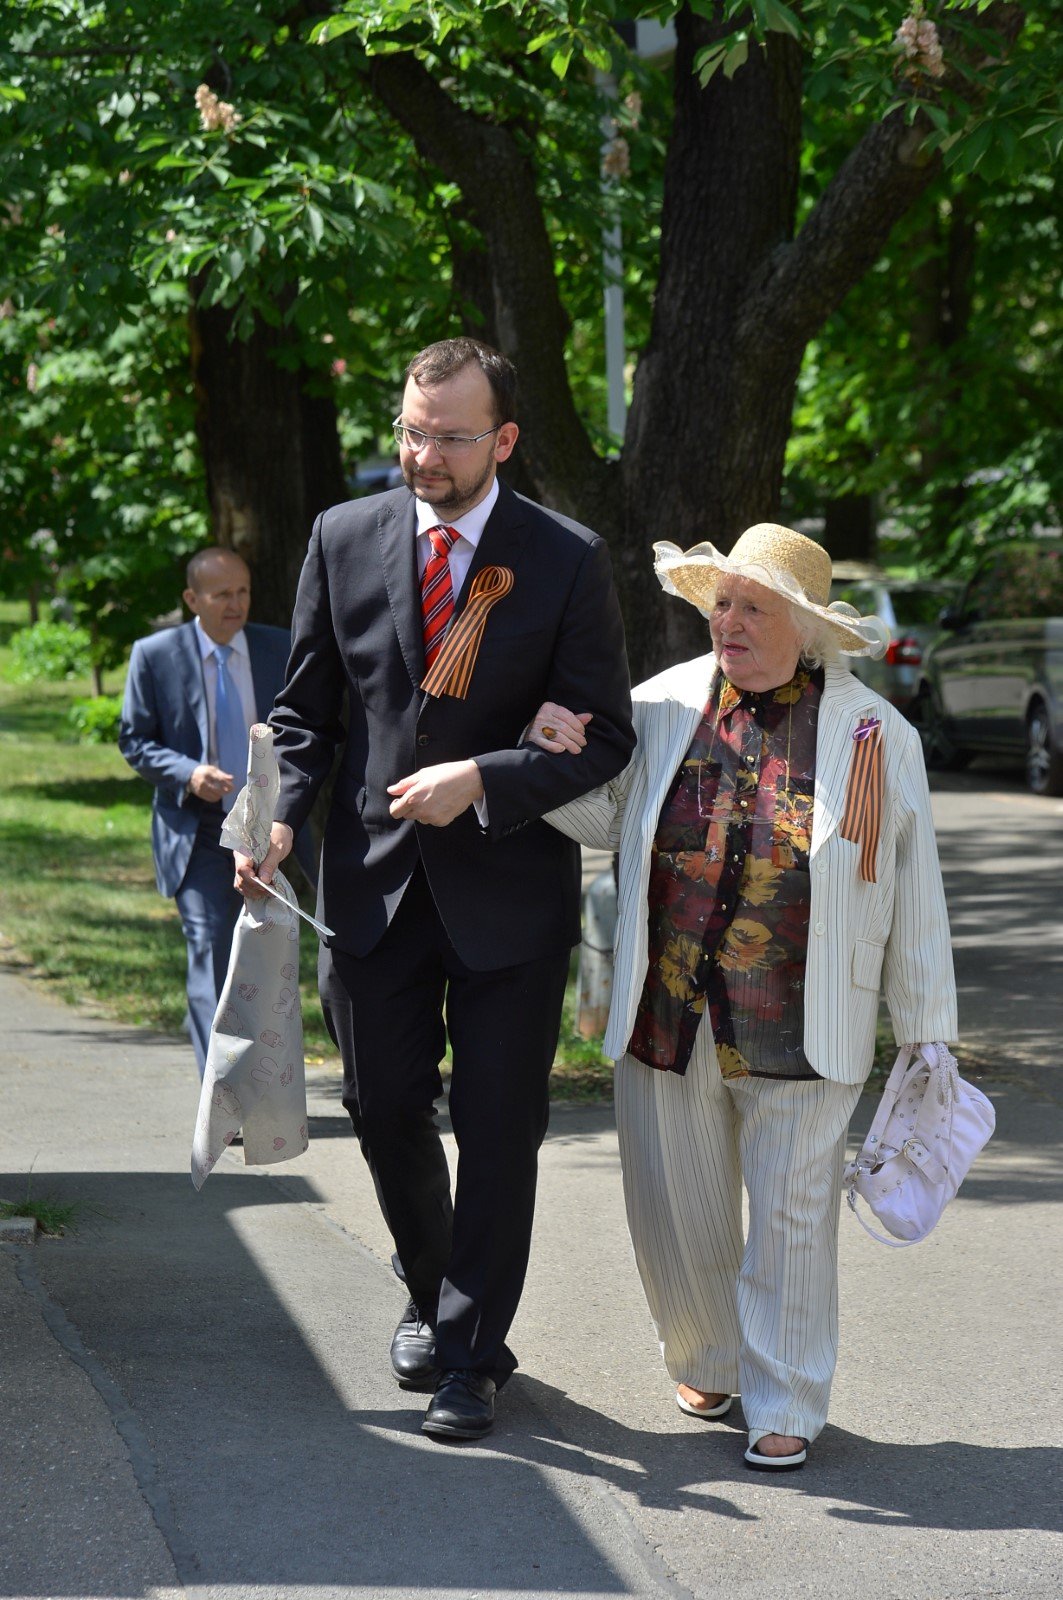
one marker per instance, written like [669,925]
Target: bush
[95,719]
[49,652]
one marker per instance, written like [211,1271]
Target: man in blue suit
[191,695]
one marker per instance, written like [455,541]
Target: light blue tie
[230,727]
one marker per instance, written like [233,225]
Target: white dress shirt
[239,667]
[470,527]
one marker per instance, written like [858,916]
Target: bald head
[218,592]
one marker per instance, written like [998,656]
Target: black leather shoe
[463,1406]
[413,1352]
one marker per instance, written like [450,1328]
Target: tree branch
[801,284]
[498,182]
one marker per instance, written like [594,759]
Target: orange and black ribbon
[452,670]
[862,820]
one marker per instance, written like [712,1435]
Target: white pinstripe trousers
[761,1319]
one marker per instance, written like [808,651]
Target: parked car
[910,607]
[992,683]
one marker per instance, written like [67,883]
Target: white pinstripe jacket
[864,938]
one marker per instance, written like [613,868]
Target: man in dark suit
[172,734]
[446,892]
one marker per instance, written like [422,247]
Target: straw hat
[786,562]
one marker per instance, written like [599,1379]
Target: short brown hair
[438,362]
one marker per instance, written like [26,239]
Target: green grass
[78,901]
[51,1216]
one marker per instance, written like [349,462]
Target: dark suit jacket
[164,729]
[506,895]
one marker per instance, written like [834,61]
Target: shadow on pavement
[242,1351]
[942,1485]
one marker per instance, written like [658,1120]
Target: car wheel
[1044,759]
[940,753]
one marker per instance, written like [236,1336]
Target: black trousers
[464,1259]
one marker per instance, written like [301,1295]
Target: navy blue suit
[164,735]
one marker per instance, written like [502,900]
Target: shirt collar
[207,645]
[766,700]
[470,526]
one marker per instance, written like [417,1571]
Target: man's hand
[436,795]
[210,783]
[554,729]
[280,844]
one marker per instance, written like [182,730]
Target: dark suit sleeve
[588,672]
[307,718]
[141,737]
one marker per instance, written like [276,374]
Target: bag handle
[890,1096]
[883,1238]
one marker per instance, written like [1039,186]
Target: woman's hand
[554,729]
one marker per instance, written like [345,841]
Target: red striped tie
[437,593]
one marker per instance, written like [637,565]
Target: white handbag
[929,1127]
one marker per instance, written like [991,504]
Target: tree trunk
[710,415]
[271,450]
[849,528]
[737,301]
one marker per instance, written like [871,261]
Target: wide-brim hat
[782,560]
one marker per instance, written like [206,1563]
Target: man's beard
[459,498]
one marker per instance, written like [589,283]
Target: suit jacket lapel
[263,689]
[189,663]
[501,543]
[844,701]
[397,538]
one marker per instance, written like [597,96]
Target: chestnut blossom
[7,308]
[616,158]
[917,42]
[338,367]
[33,373]
[633,106]
[215,113]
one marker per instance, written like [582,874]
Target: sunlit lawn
[77,891]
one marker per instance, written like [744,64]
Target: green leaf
[316,222]
[735,58]
[707,61]
[777,18]
[333,28]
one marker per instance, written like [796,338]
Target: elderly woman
[777,867]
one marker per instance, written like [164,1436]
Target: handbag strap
[883,1238]
[890,1096]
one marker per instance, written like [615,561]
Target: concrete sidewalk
[196,1398]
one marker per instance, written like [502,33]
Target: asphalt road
[194,1394]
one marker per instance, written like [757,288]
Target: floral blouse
[729,888]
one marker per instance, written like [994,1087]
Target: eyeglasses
[448,444]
